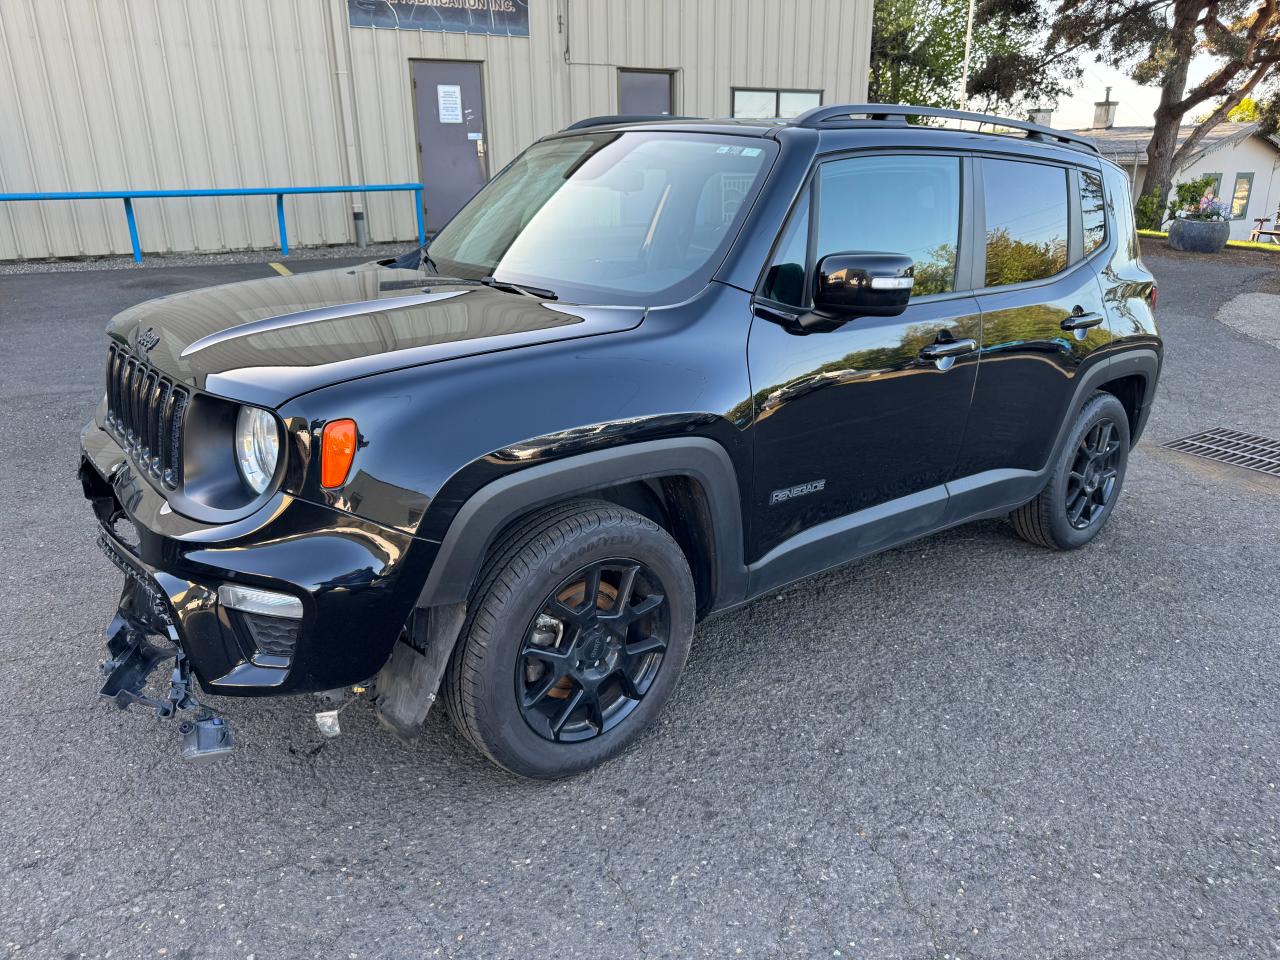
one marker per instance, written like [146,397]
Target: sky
[1137,103]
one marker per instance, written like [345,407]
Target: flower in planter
[1208,207]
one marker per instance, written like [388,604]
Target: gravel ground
[963,748]
[1254,314]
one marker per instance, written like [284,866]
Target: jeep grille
[144,411]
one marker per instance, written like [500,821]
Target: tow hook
[133,659]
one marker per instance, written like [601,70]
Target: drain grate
[1234,447]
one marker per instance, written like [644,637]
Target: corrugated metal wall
[173,94]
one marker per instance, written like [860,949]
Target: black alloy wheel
[1084,479]
[575,636]
[593,651]
[1091,484]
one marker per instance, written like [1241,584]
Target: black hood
[265,341]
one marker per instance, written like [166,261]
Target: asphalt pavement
[964,748]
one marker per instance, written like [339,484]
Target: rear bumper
[357,582]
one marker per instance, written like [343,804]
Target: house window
[759,104]
[1240,195]
[1216,186]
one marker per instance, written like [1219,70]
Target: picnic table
[1260,230]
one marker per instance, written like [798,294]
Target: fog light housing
[267,603]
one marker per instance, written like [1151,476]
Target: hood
[265,341]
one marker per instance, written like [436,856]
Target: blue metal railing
[128,196]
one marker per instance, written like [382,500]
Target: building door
[449,103]
[645,93]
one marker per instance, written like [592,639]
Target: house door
[449,104]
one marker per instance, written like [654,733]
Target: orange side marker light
[337,450]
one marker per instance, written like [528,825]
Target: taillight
[337,450]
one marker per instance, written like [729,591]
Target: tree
[1246,111]
[1156,40]
[917,54]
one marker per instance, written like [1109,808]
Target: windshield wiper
[540,293]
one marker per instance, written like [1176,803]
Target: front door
[449,103]
[644,93]
[856,430]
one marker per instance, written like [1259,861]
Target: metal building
[195,94]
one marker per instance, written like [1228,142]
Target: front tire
[1084,482]
[576,634]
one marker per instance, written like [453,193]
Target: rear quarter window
[1093,211]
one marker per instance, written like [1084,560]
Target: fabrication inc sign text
[507,18]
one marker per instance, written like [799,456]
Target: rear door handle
[1079,320]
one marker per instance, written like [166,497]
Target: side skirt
[887,525]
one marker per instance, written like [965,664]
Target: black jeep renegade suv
[653,370]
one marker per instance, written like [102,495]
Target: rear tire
[575,636]
[1084,482]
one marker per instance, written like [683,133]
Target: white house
[1245,164]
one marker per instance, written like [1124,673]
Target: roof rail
[896,114]
[618,118]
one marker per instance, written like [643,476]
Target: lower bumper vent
[274,638]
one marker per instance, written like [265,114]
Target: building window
[646,93]
[1026,207]
[758,104]
[1240,195]
[1216,185]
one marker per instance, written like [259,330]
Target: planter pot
[1199,236]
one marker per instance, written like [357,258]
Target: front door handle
[1079,320]
[944,352]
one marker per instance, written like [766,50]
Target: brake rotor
[573,596]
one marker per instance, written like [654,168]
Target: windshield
[624,218]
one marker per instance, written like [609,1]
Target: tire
[1055,518]
[532,635]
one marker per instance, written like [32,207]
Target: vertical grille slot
[145,412]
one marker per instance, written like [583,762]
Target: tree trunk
[1160,151]
[1173,86]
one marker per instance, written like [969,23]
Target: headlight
[257,447]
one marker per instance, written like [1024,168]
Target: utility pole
[968,47]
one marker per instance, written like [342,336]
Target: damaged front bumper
[142,614]
[347,585]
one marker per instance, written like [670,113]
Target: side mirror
[859,284]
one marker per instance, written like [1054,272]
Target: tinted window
[904,204]
[784,280]
[1026,205]
[1093,214]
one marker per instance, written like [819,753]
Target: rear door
[1043,318]
[856,425]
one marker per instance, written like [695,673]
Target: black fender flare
[497,504]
